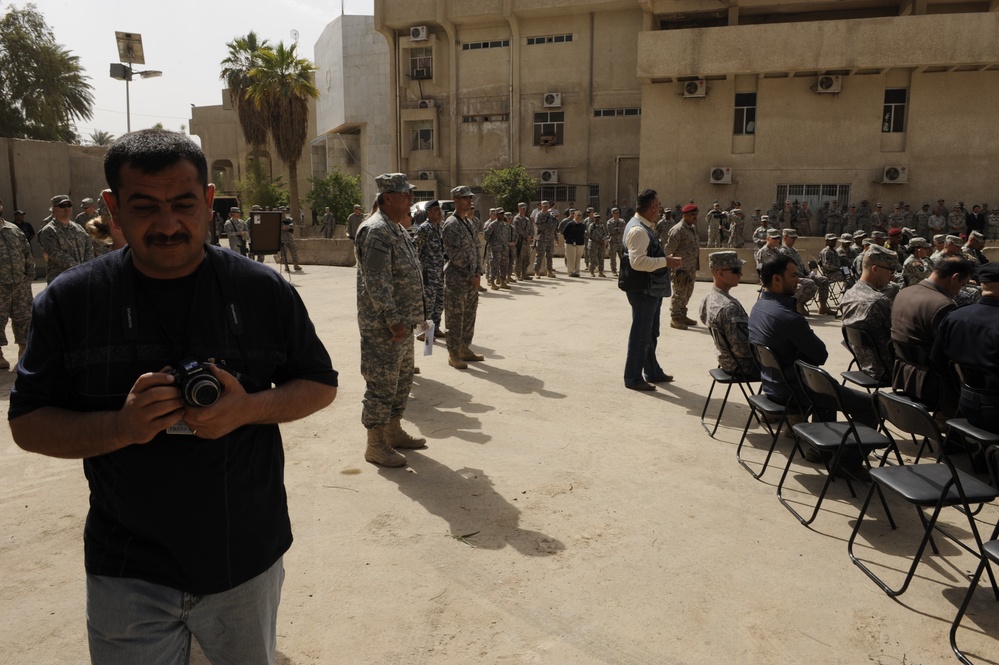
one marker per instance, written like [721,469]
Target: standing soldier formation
[596,234]
[615,235]
[546,226]
[524,228]
[430,248]
[462,276]
[17,269]
[389,307]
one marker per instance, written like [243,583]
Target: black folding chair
[834,441]
[764,409]
[990,556]
[918,357]
[718,375]
[978,386]
[854,339]
[933,486]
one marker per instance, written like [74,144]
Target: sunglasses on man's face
[736,271]
[67,204]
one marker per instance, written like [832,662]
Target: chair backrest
[909,416]
[721,342]
[765,359]
[977,379]
[912,354]
[992,462]
[857,338]
[820,388]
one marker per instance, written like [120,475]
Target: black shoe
[641,385]
[662,378]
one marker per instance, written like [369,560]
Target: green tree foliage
[42,85]
[281,86]
[337,190]
[257,188]
[244,55]
[100,137]
[510,186]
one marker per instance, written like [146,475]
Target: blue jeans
[133,621]
[642,339]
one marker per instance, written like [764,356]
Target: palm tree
[100,137]
[281,87]
[243,56]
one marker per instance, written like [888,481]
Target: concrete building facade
[353,113]
[757,100]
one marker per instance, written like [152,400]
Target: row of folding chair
[928,487]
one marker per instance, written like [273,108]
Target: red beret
[894,232]
[690,207]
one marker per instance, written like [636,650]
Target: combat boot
[379,452]
[601,273]
[511,279]
[493,285]
[678,323]
[551,274]
[454,361]
[504,285]
[689,321]
[4,363]
[396,437]
[298,268]
[466,353]
[824,307]
[592,273]
[802,309]
[526,278]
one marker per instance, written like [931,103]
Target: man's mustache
[160,238]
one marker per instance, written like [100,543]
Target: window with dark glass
[893,118]
[745,113]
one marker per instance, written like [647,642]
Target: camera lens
[203,391]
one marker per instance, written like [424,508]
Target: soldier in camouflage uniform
[922,221]
[850,220]
[972,250]
[991,224]
[785,218]
[681,241]
[389,306]
[66,244]
[498,236]
[715,218]
[17,269]
[546,225]
[662,227]
[834,219]
[288,244]
[956,221]
[524,228]
[895,218]
[430,249]
[803,220]
[918,266]
[774,214]
[808,284]
[754,219]
[865,306]
[830,261]
[462,275]
[597,244]
[615,236]
[864,216]
[769,250]
[760,232]
[879,220]
[727,315]
[737,228]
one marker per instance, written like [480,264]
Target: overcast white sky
[185,39]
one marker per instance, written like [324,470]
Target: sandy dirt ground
[554,518]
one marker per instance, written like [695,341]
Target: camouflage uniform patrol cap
[868,242]
[764,218]
[789,233]
[521,205]
[596,215]
[60,198]
[390,183]
[938,238]
[953,240]
[977,235]
[724,260]
[882,256]
[234,209]
[614,210]
[859,234]
[846,238]
[465,192]
[831,236]
[773,233]
[879,235]
[85,203]
[919,242]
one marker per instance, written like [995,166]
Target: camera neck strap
[130,316]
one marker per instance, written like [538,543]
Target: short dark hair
[772,267]
[645,199]
[151,151]
[954,265]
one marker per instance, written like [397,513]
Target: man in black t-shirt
[188,518]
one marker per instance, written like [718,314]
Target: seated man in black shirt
[188,518]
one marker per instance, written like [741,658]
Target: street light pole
[130,50]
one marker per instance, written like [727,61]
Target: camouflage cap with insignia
[789,233]
[727,259]
[882,256]
[390,183]
[919,242]
[953,240]
[938,238]
[859,233]
[773,233]
[831,236]
[465,192]
[846,237]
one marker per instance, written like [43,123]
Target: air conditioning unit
[420,74]
[895,175]
[426,104]
[418,33]
[694,89]
[427,175]
[547,140]
[720,175]
[553,100]
[829,83]
[549,176]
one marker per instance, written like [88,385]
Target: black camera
[198,386]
